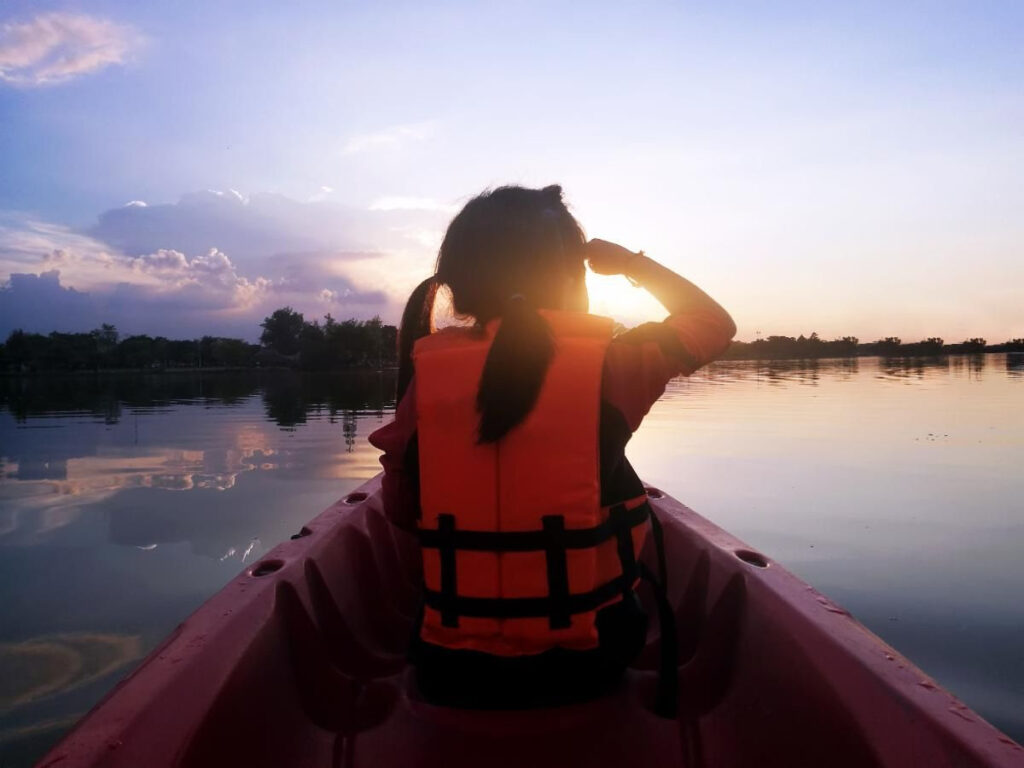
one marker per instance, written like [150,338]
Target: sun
[616,297]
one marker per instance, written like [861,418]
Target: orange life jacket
[518,553]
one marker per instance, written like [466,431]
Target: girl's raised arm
[678,295]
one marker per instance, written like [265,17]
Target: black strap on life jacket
[554,539]
[667,697]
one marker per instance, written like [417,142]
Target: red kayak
[300,662]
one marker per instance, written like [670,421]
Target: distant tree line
[287,340]
[288,337]
[808,347]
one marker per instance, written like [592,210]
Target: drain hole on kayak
[355,498]
[267,566]
[755,559]
[303,532]
[654,493]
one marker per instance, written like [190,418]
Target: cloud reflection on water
[126,501]
[42,666]
[76,443]
[891,484]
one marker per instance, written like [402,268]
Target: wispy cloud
[389,138]
[402,203]
[321,194]
[56,47]
[32,245]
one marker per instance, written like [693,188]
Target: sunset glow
[617,298]
[845,169]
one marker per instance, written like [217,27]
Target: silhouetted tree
[18,348]
[106,337]
[890,345]
[281,331]
[219,352]
[182,354]
[313,348]
[136,352]
[327,346]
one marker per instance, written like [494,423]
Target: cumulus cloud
[312,274]
[191,298]
[162,293]
[163,261]
[56,47]
[390,138]
[212,272]
[212,263]
[29,245]
[260,226]
[296,243]
[27,298]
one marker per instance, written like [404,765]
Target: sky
[184,168]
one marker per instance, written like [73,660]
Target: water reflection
[106,397]
[894,487]
[78,442]
[811,371]
[914,367]
[973,365]
[772,372]
[289,397]
[125,501]
[1015,363]
[890,483]
[33,669]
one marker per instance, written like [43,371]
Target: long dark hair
[506,254]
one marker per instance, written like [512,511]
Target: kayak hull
[299,661]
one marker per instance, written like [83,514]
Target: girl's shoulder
[450,336]
[689,340]
[566,323]
[641,361]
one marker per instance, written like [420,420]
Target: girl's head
[506,254]
[513,242]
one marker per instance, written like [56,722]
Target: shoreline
[727,358]
[183,371]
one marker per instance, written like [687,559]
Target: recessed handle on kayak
[266,567]
[751,557]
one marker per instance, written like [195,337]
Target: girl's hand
[677,294]
[607,258]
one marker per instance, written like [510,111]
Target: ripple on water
[33,669]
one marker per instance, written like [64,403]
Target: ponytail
[514,370]
[417,321]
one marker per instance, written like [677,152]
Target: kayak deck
[299,661]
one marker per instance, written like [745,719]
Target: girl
[507,452]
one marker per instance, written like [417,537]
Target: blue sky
[844,168]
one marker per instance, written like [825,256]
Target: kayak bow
[299,661]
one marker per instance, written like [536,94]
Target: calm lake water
[894,486]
